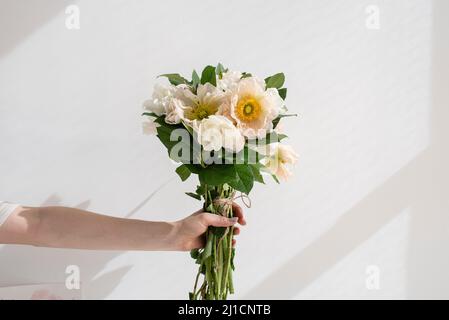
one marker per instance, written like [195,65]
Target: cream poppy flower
[216,132]
[253,108]
[278,156]
[205,103]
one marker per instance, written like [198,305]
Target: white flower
[205,103]
[278,157]
[162,96]
[253,108]
[216,132]
[149,127]
[174,111]
[229,80]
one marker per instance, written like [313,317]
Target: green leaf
[271,137]
[245,179]
[275,81]
[150,114]
[217,174]
[194,195]
[219,70]
[283,93]
[219,232]
[275,178]
[209,75]
[175,78]
[200,189]
[279,117]
[282,136]
[194,168]
[255,168]
[246,75]
[195,79]
[195,253]
[183,172]
[164,131]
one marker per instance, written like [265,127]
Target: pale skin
[62,227]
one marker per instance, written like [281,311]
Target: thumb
[218,221]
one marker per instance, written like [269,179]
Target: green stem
[196,284]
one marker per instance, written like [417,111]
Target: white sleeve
[5,210]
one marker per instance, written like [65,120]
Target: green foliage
[219,70]
[217,174]
[245,179]
[175,78]
[195,253]
[283,93]
[195,80]
[255,168]
[208,249]
[279,117]
[275,81]
[208,76]
[149,114]
[194,195]
[183,172]
[219,232]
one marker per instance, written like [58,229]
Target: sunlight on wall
[70,101]
[385,253]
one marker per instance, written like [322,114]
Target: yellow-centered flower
[253,108]
[204,104]
[248,109]
[200,111]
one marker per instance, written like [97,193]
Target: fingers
[218,221]
[238,212]
[236,231]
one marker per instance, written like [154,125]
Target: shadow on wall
[40,265]
[19,18]
[421,185]
[33,265]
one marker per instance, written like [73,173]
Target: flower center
[248,109]
[200,112]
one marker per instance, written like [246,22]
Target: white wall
[370,186]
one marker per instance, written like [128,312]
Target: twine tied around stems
[227,202]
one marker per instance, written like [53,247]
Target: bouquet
[222,126]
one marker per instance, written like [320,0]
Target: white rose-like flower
[216,132]
[162,96]
[278,156]
[229,80]
[174,111]
[149,127]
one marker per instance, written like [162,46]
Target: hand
[190,231]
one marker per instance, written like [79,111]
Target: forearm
[61,227]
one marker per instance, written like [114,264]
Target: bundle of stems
[216,260]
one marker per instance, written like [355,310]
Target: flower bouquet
[223,127]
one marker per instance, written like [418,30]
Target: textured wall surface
[368,194]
